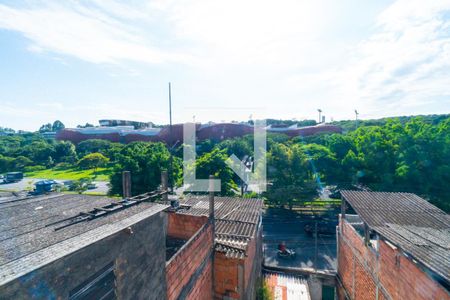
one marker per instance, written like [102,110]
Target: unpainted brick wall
[202,289]
[359,267]
[188,262]
[184,226]
[226,276]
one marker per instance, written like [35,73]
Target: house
[49,250]
[392,246]
[85,247]
[237,242]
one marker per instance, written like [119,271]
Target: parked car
[13,177]
[91,186]
[68,183]
[44,186]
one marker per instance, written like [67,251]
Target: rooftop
[410,223]
[237,220]
[27,231]
[287,286]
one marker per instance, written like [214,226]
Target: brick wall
[226,272]
[184,226]
[203,288]
[188,272]
[360,267]
[252,265]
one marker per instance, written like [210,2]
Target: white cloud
[402,68]
[406,63]
[291,56]
[87,32]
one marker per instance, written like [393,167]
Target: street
[288,227]
[28,185]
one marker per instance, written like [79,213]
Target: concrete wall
[366,273]
[188,272]
[138,257]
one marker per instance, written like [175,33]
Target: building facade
[83,247]
[392,246]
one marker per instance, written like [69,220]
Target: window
[101,285]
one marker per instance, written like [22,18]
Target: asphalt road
[285,226]
[28,184]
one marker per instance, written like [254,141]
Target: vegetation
[264,292]
[145,162]
[408,154]
[93,161]
[101,174]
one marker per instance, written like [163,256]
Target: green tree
[85,125]
[58,125]
[45,128]
[38,151]
[21,162]
[92,146]
[93,161]
[6,163]
[213,163]
[65,152]
[289,175]
[145,162]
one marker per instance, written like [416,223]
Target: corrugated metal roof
[26,225]
[287,286]
[236,221]
[408,221]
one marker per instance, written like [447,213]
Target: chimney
[164,181]
[126,184]
[211,198]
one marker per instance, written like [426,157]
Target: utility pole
[170,139]
[320,114]
[356,118]
[315,246]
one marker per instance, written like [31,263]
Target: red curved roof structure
[219,131]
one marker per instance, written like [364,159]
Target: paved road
[285,226]
[28,184]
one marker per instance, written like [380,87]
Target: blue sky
[79,61]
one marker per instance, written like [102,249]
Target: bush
[31,169]
[63,166]
[264,292]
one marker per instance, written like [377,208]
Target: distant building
[392,246]
[84,247]
[135,124]
[49,135]
[129,131]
